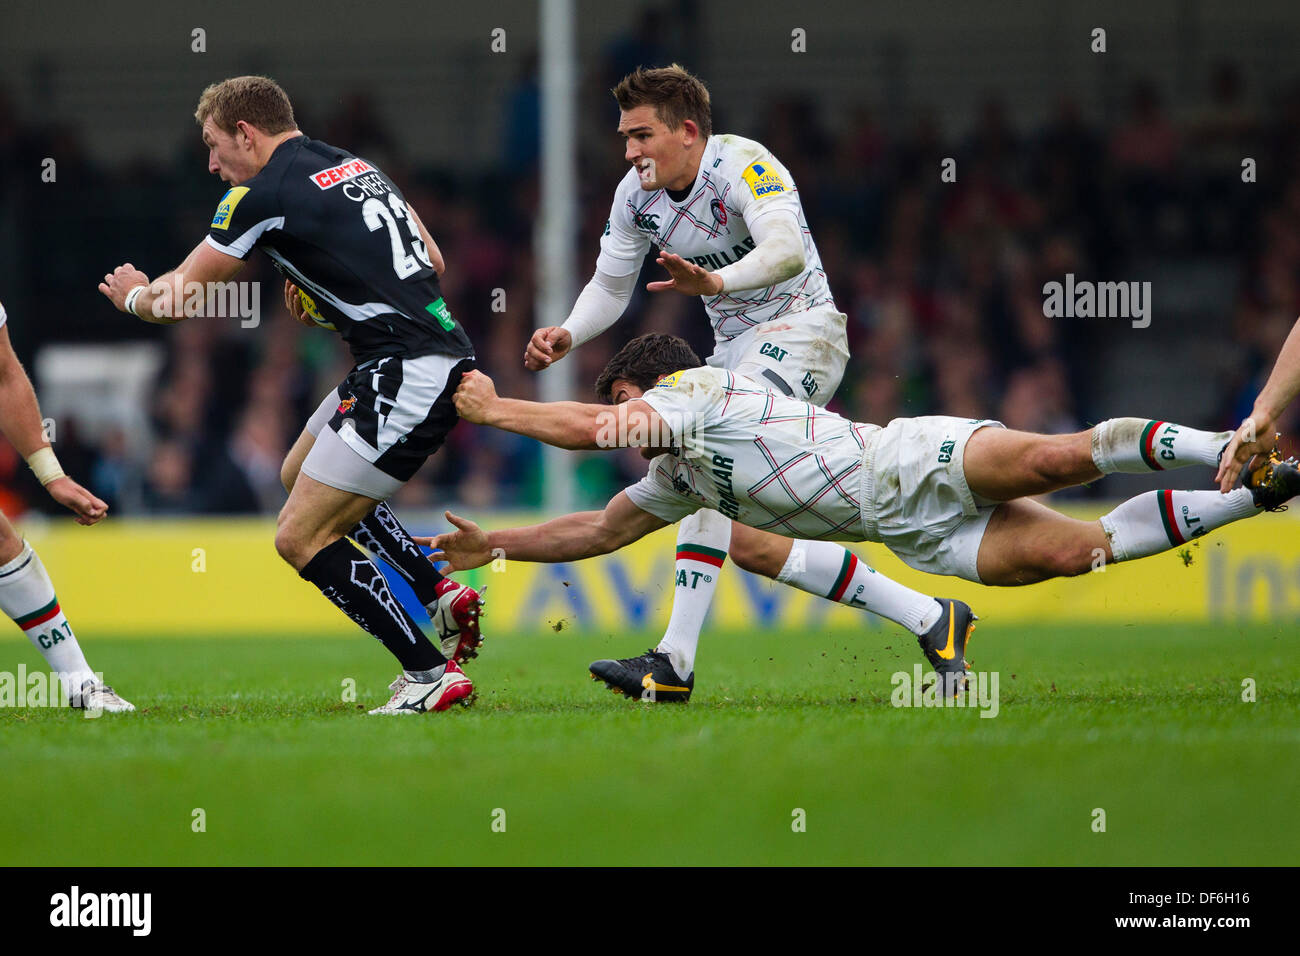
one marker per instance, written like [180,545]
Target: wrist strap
[45,465]
[129,305]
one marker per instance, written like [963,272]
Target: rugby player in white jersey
[947,495]
[26,592]
[726,217]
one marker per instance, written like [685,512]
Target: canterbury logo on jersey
[328,178]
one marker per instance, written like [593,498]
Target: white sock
[833,572]
[702,542]
[1141,445]
[27,596]
[1159,520]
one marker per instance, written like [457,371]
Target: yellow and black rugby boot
[1275,482]
[944,644]
[649,677]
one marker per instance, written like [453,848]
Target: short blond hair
[675,94]
[257,100]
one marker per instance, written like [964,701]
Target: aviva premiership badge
[227,206]
[763,180]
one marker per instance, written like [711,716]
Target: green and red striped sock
[1160,520]
[837,574]
[702,542]
[27,596]
[1141,445]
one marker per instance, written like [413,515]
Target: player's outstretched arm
[162,301]
[1255,436]
[572,425]
[777,256]
[21,423]
[571,537]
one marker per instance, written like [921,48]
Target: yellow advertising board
[222,576]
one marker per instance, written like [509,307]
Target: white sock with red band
[702,542]
[1159,520]
[27,596]
[833,572]
[1141,445]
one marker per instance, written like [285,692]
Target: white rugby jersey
[766,460]
[4,316]
[738,180]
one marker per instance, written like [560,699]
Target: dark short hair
[644,361]
[257,100]
[675,94]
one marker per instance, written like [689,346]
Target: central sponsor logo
[722,468]
[329,178]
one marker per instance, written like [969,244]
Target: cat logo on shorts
[345,406]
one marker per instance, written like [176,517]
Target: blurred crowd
[942,281]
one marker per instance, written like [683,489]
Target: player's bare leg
[311,537]
[453,608]
[27,596]
[1026,542]
[1001,464]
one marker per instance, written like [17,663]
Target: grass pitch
[1146,723]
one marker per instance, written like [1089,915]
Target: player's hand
[77,499]
[462,549]
[1254,437]
[119,282]
[546,346]
[297,308]
[474,396]
[687,277]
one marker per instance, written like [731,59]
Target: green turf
[1146,723]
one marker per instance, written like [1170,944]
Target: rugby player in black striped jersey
[356,260]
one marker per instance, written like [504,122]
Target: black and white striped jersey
[338,228]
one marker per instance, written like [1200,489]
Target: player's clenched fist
[77,499]
[119,282]
[474,396]
[546,346]
[463,549]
